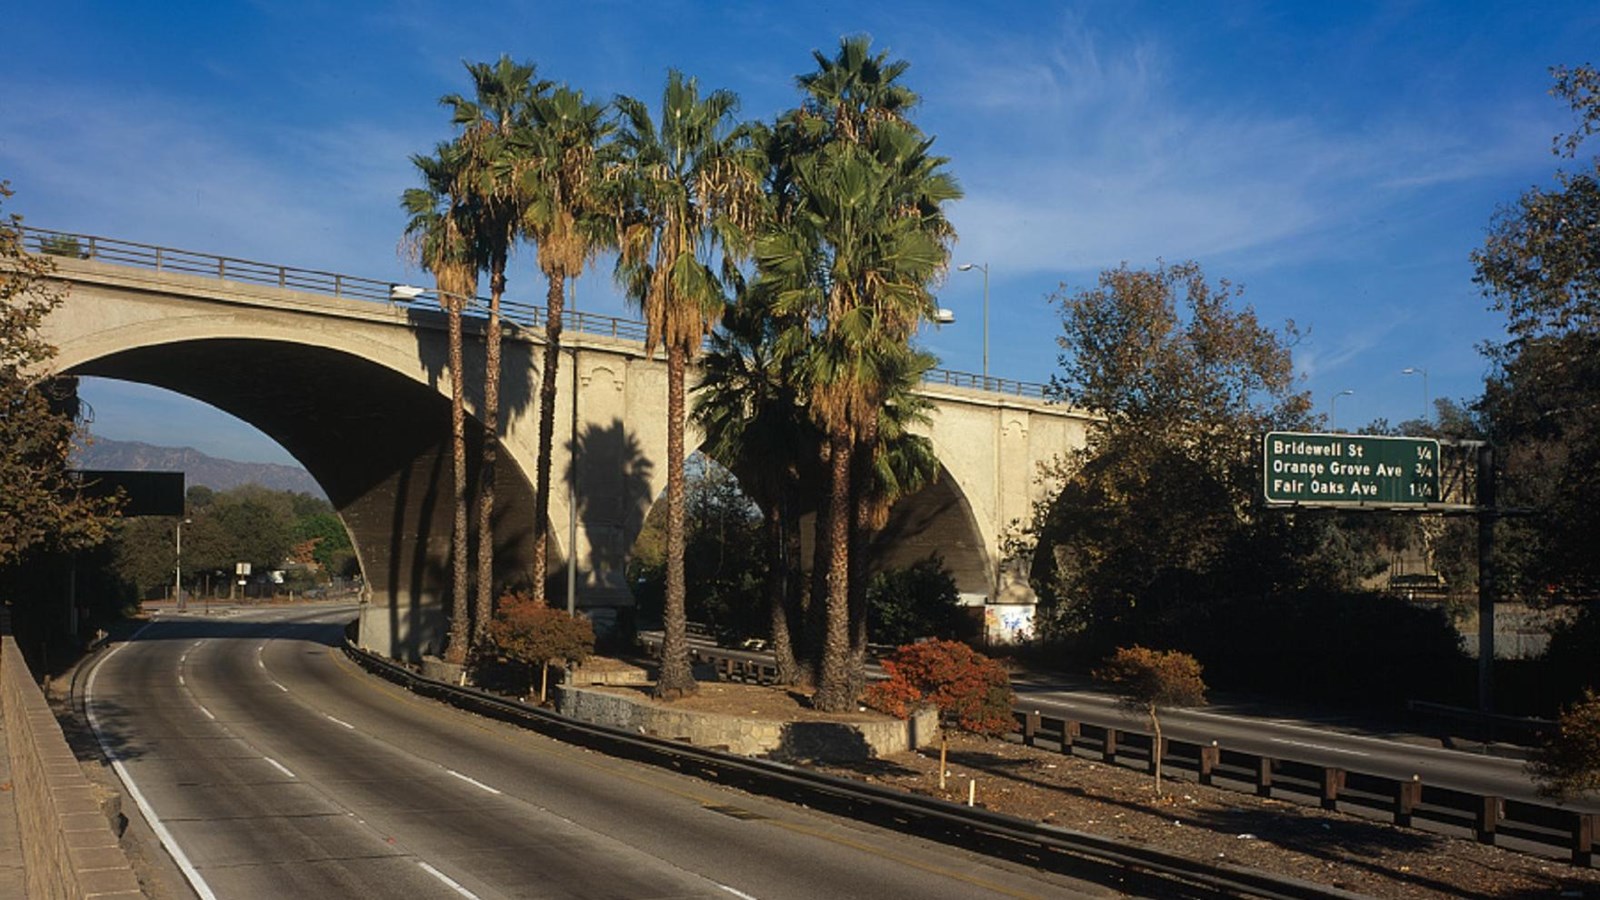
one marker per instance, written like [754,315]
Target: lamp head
[964,267]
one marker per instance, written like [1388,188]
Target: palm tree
[863,238]
[439,236]
[501,108]
[754,419]
[695,185]
[560,171]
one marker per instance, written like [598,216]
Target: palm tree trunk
[456,648]
[777,595]
[555,302]
[834,692]
[797,595]
[483,608]
[860,535]
[816,596]
[676,678]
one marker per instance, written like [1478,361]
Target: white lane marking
[207,713]
[198,643]
[259,663]
[449,882]
[181,682]
[1323,747]
[278,765]
[734,891]
[473,781]
[277,685]
[340,722]
[202,889]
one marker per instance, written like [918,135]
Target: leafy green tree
[1568,763]
[1572,659]
[695,186]
[532,633]
[918,601]
[1152,680]
[1160,515]
[40,506]
[724,565]
[560,161]
[488,178]
[440,236]
[1540,266]
[144,554]
[331,543]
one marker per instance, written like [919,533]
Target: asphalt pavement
[270,766]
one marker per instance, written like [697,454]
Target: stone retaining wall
[68,847]
[820,741]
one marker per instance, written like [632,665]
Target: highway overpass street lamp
[1418,370]
[405,293]
[984,268]
[1333,408]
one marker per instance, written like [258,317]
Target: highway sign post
[1349,469]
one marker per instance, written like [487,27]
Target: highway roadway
[270,767]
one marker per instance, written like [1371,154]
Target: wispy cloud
[1105,154]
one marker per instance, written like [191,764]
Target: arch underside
[377,441]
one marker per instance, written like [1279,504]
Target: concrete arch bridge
[354,385]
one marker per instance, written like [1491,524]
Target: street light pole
[1333,408]
[177,566]
[983,267]
[1418,370]
[572,473]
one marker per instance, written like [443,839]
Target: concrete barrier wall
[822,741]
[69,850]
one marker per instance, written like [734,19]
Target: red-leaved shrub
[970,689]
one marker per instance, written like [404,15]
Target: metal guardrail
[1076,854]
[187,262]
[1407,800]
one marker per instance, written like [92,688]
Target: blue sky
[1339,160]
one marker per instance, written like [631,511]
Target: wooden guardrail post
[1030,728]
[1332,784]
[1108,750]
[1584,826]
[1407,794]
[1210,758]
[1263,776]
[1069,734]
[1489,815]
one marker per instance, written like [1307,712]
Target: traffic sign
[1349,469]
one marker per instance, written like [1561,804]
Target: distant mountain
[198,468]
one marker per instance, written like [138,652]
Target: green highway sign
[1349,469]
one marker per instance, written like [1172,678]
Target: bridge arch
[375,438]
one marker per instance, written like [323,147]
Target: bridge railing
[188,262]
